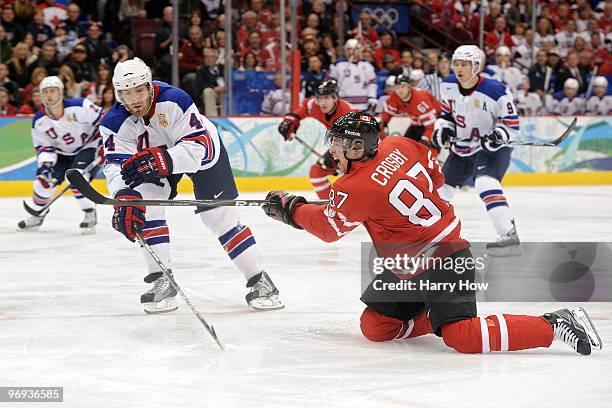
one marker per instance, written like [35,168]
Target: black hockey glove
[327,162]
[281,205]
[289,126]
[442,137]
[372,104]
[44,174]
[495,140]
[129,220]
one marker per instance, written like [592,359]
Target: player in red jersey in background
[392,189]
[325,107]
[420,106]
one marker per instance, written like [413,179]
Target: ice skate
[161,297]
[263,294]
[505,245]
[90,220]
[31,223]
[575,329]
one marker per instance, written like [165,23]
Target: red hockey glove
[289,126]
[147,166]
[281,205]
[129,220]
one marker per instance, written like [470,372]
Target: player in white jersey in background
[528,103]
[356,78]
[153,135]
[478,120]
[504,71]
[600,103]
[566,102]
[65,136]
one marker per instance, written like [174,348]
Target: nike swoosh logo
[481,167]
[217,195]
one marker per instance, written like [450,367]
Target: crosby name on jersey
[173,121]
[68,135]
[488,106]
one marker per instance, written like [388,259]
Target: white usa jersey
[511,76]
[273,102]
[529,103]
[599,106]
[173,121]
[566,106]
[489,106]
[68,135]
[356,81]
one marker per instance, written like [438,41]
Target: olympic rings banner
[257,149]
[385,16]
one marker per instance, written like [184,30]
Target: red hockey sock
[378,327]
[320,181]
[497,333]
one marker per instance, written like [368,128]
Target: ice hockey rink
[70,316]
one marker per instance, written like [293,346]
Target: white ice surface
[70,316]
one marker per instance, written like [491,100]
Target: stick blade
[30,210]
[80,183]
[567,132]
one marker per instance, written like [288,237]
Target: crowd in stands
[82,41]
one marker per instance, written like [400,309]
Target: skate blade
[267,303]
[163,306]
[583,318]
[88,230]
[514,250]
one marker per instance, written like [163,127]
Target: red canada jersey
[422,108]
[311,109]
[395,196]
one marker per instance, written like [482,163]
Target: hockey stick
[37,213]
[555,142]
[309,147]
[79,182]
[176,287]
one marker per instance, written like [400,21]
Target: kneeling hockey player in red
[391,188]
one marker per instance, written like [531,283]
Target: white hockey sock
[235,238]
[41,194]
[157,235]
[491,193]
[85,203]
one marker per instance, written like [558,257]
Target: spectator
[407,60]
[368,56]
[38,74]
[191,56]
[47,59]
[579,45]
[599,103]
[63,45]
[24,10]
[544,32]
[386,48]
[418,63]
[9,84]
[104,81]
[122,53]
[18,64]
[527,102]
[518,36]
[562,16]
[389,64]
[73,23]
[312,21]
[584,14]
[605,19]
[108,98]
[129,9]
[520,12]
[522,52]
[98,50]
[275,103]
[28,39]
[573,70]
[195,19]
[254,45]
[83,70]
[6,49]
[364,31]
[465,18]
[555,62]
[498,37]
[249,63]
[219,45]
[264,15]
[329,49]
[541,75]
[33,105]
[163,40]
[325,17]
[586,60]
[209,85]
[39,29]
[311,47]
[313,75]
[6,108]
[565,38]
[14,30]
[249,25]
[72,88]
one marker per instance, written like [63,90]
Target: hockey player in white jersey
[356,78]
[528,103]
[566,102]
[599,104]
[504,71]
[153,135]
[65,136]
[478,120]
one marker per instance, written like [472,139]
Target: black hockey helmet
[327,87]
[403,79]
[356,130]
